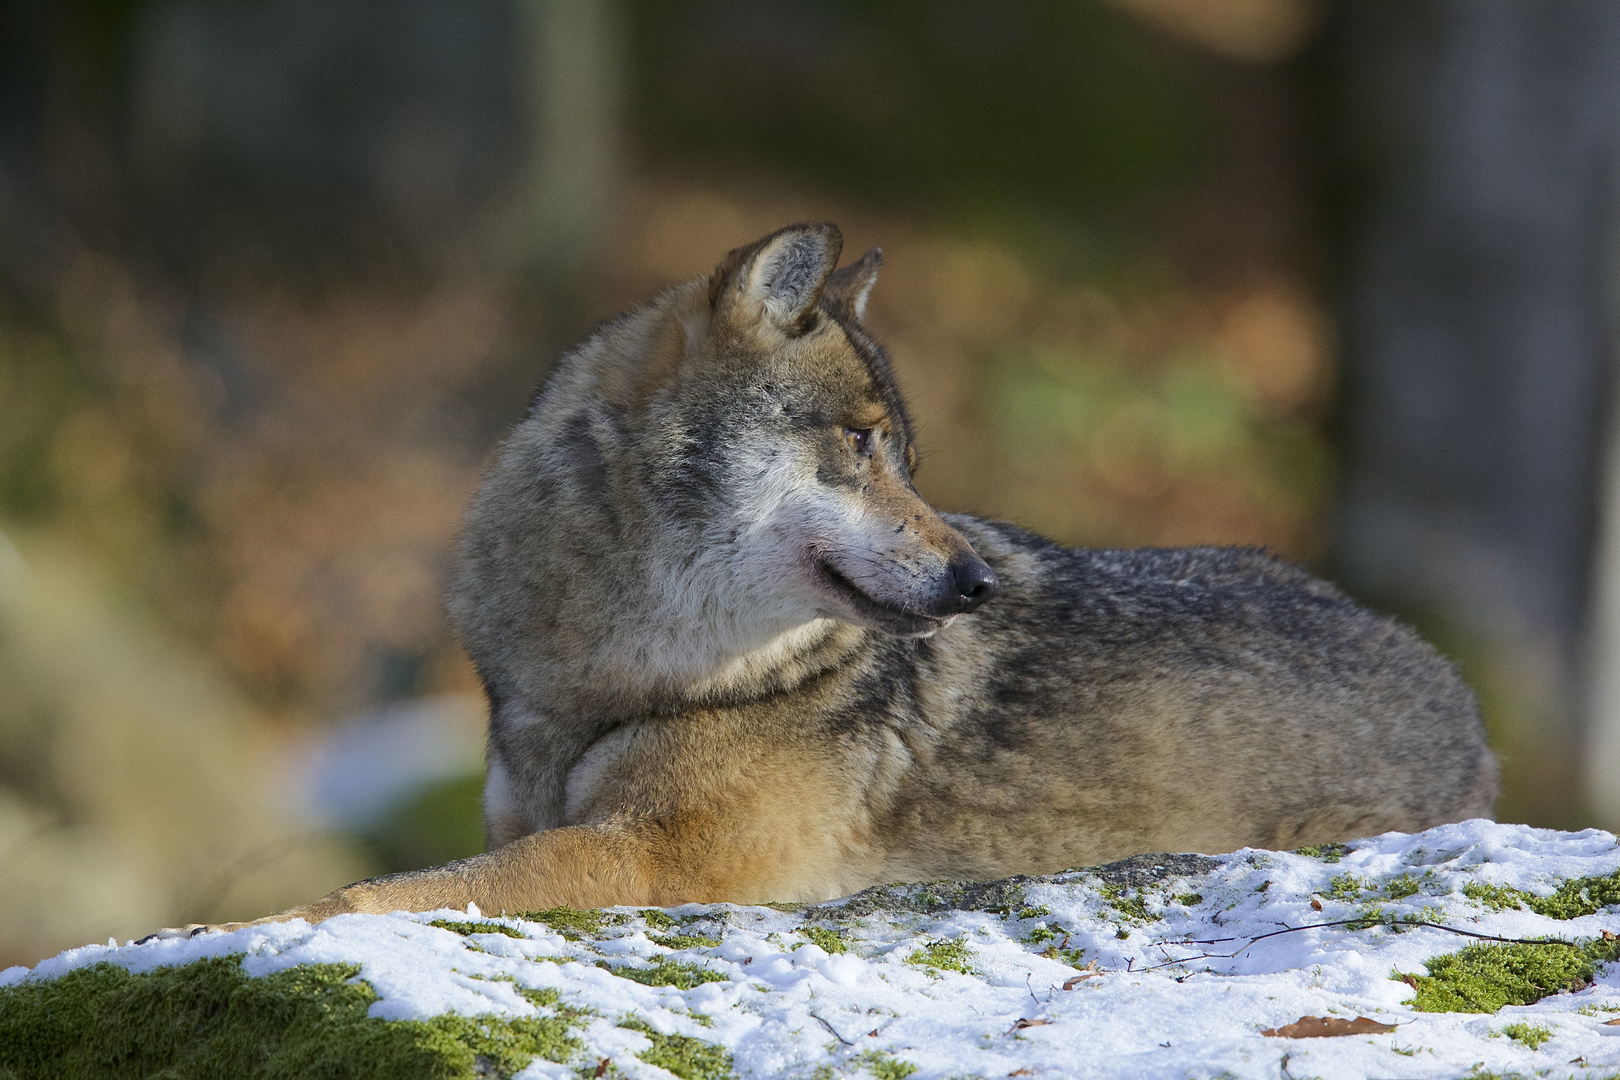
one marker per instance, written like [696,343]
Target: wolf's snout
[972,583]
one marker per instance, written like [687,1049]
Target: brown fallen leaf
[1409,980]
[602,1068]
[1316,905]
[1612,1023]
[1022,1072]
[1026,1022]
[1085,973]
[1321,1027]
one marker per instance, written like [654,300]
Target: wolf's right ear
[778,280]
[847,289]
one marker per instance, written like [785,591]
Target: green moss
[1484,978]
[1495,897]
[466,928]
[1399,888]
[1039,934]
[666,972]
[1577,897]
[1133,907]
[1328,853]
[1346,887]
[1367,917]
[943,956]
[1530,1035]
[686,941]
[658,920]
[884,1066]
[1189,899]
[830,940]
[210,1019]
[1063,956]
[1040,912]
[686,1057]
[574,923]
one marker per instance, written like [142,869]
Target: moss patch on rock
[1484,978]
[666,972]
[466,929]
[210,1019]
[574,923]
[686,1057]
[829,939]
[944,956]
[1574,898]
[1328,853]
[1578,896]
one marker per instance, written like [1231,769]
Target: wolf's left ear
[779,279]
[847,289]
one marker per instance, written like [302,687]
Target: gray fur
[651,573]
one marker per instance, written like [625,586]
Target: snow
[1157,1006]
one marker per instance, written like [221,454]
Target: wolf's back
[1218,696]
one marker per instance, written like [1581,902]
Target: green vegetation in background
[1069,117]
[40,386]
[1048,401]
[210,1019]
[1484,978]
[436,824]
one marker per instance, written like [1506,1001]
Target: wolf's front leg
[582,866]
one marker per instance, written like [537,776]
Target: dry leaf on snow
[1319,1027]
[1026,1022]
[1085,973]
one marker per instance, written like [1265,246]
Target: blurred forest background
[275,276]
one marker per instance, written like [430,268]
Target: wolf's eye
[860,440]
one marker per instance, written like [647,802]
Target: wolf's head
[712,471]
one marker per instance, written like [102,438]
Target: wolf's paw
[190,931]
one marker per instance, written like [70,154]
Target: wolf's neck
[667,658]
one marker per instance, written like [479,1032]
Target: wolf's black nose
[973,583]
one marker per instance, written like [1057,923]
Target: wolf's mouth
[895,620]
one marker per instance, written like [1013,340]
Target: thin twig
[831,1029]
[1359,923]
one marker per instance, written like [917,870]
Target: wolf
[732,655]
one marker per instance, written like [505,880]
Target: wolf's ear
[847,289]
[779,279]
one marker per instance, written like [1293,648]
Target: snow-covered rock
[1154,967]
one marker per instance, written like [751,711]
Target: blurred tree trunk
[574,84]
[1478,350]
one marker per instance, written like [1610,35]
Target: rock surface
[1155,966]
